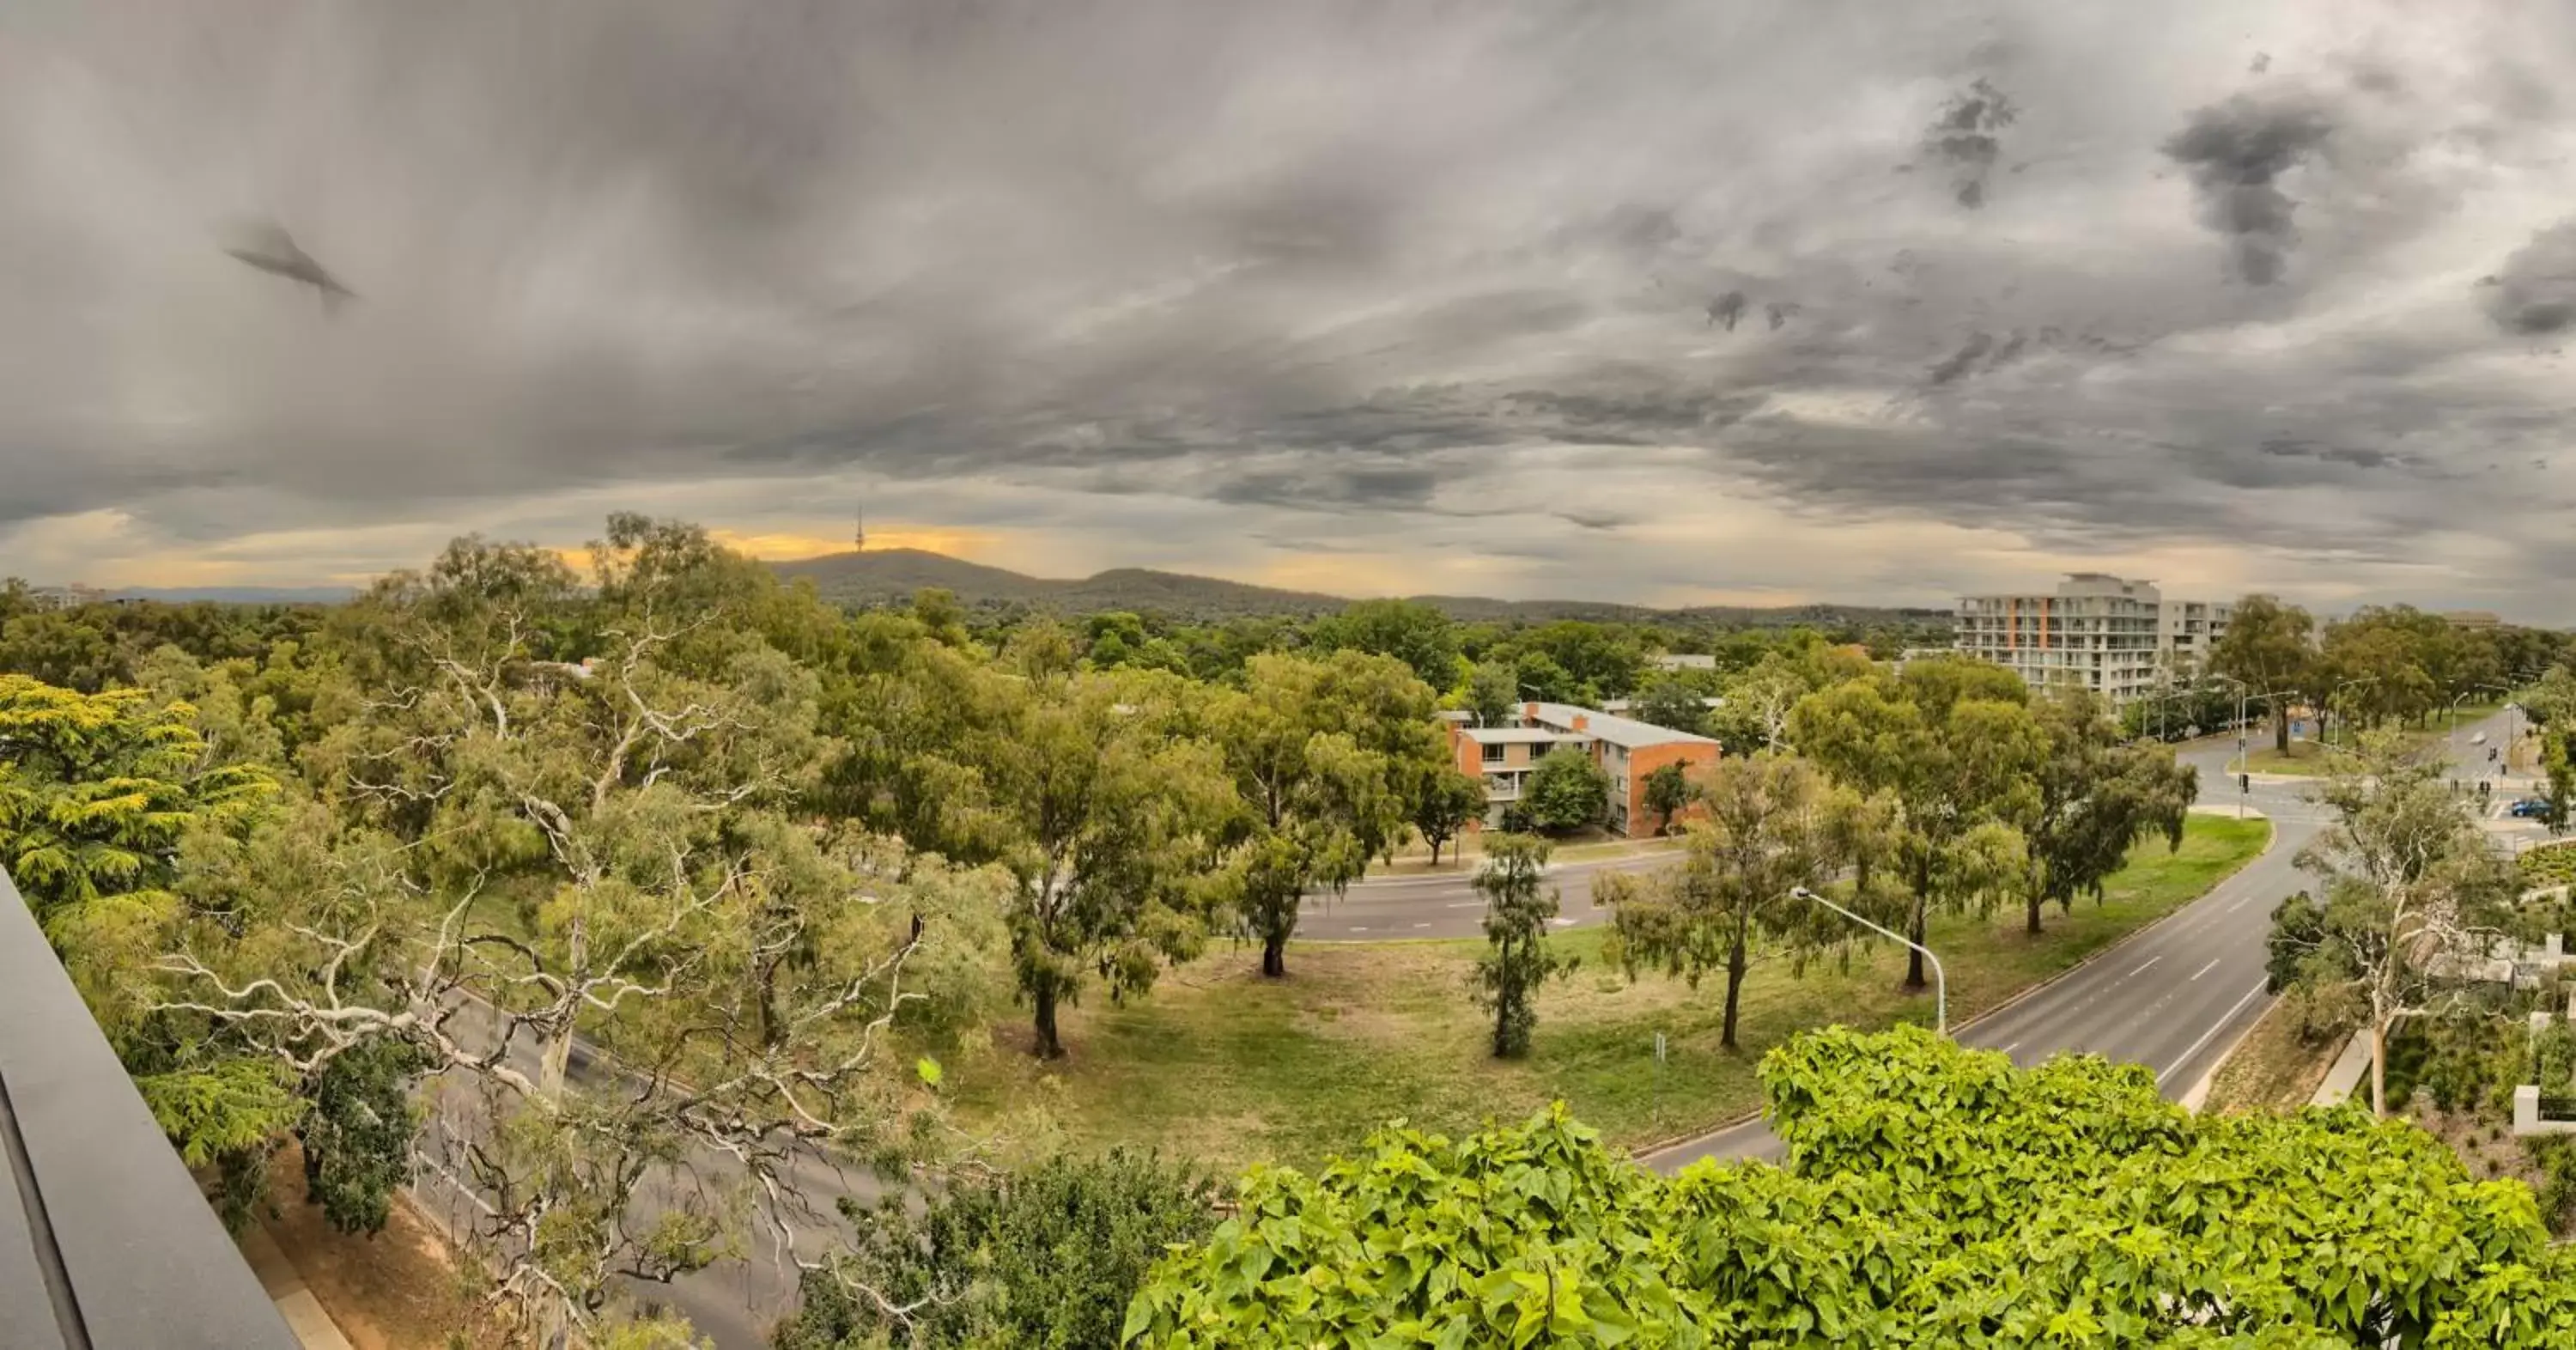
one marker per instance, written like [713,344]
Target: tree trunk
[771,1031]
[1050,1046]
[2281,730]
[2036,899]
[1914,980]
[1274,955]
[1502,1001]
[554,1064]
[2379,1069]
[1735,964]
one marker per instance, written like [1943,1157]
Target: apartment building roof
[1627,732]
[1517,735]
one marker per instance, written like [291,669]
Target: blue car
[2529,808]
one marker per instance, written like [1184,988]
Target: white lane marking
[2194,1048]
[1425,925]
[2238,905]
[2012,1047]
[2142,968]
[1359,928]
[2213,965]
[1562,923]
[1471,904]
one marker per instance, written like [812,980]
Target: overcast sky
[1658,300]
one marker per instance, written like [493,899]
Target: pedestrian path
[2349,1069]
[313,1328]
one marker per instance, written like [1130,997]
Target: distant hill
[890,576]
[240,595]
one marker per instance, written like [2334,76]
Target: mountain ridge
[890,576]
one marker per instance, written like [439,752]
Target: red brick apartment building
[1626,749]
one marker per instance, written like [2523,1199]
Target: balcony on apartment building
[105,1241]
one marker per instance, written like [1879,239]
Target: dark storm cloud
[2535,294]
[1965,359]
[1966,139]
[2236,153]
[1401,265]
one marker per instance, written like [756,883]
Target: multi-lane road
[1445,904]
[2176,996]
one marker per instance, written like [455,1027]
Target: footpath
[313,1328]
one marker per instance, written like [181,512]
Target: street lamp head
[1802,893]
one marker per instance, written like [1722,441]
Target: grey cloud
[1960,362]
[2236,153]
[1966,137]
[2292,447]
[2535,293]
[1219,262]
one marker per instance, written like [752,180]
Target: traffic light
[2244,782]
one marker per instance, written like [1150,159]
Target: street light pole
[2340,686]
[2244,692]
[1940,982]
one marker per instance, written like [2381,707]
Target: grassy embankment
[1224,1065]
[2273,1068]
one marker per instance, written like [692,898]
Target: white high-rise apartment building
[2120,639]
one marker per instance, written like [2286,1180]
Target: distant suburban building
[2120,639]
[1626,749]
[1683,661]
[67,597]
[2473,618]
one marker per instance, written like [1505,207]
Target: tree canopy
[1567,790]
[1932,1196]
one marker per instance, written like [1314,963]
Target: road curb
[1667,1146]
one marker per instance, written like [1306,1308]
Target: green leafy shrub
[1932,1196]
[2550,864]
[1045,1258]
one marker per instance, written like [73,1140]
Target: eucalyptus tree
[565,859]
[2099,794]
[1770,827]
[2269,648]
[1329,759]
[2409,898]
[1109,813]
[1952,747]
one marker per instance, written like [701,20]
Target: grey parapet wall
[105,1241]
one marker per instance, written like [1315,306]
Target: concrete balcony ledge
[105,1241]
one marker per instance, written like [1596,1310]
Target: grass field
[1224,1065]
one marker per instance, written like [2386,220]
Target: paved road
[733,1302]
[2175,997]
[1445,905]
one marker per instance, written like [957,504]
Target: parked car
[2529,808]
